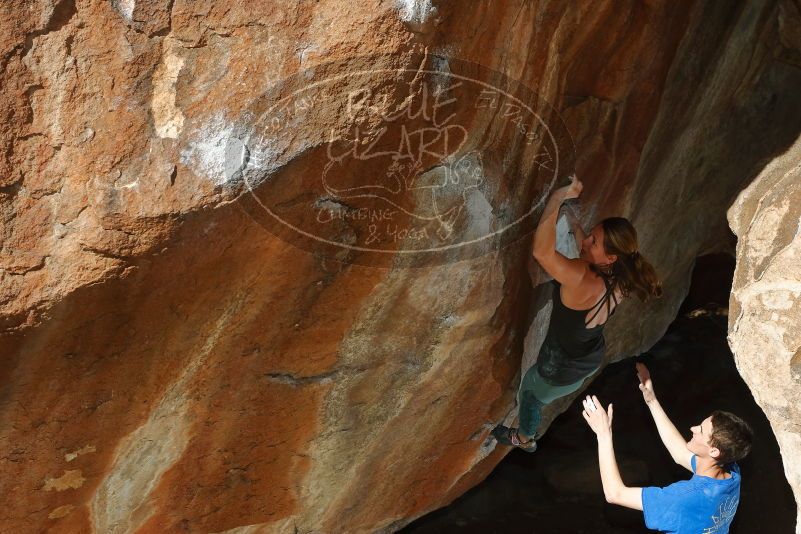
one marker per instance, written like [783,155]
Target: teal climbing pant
[536,392]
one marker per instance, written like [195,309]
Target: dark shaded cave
[558,489]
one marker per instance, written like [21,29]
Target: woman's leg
[530,404]
[535,393]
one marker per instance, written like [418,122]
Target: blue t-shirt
[701,505]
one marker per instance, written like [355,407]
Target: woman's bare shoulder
[593,280]
[589,286]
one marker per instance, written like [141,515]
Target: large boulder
[174,362]
[765,305]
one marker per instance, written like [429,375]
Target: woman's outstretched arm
[566,271]
[572,211]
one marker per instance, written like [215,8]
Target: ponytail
[632,272]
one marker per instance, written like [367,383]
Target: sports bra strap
[607,297]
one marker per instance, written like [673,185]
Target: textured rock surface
[764,331]
[170,366]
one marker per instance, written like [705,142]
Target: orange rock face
[177,362]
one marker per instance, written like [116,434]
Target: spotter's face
[699,443]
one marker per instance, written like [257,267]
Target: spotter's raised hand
[600,420]
[646,385]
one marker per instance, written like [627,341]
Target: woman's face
[592,248]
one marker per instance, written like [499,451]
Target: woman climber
[586,291]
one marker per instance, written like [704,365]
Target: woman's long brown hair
[632,272]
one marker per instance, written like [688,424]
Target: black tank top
[571,351]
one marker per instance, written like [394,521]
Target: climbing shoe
[511,437]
